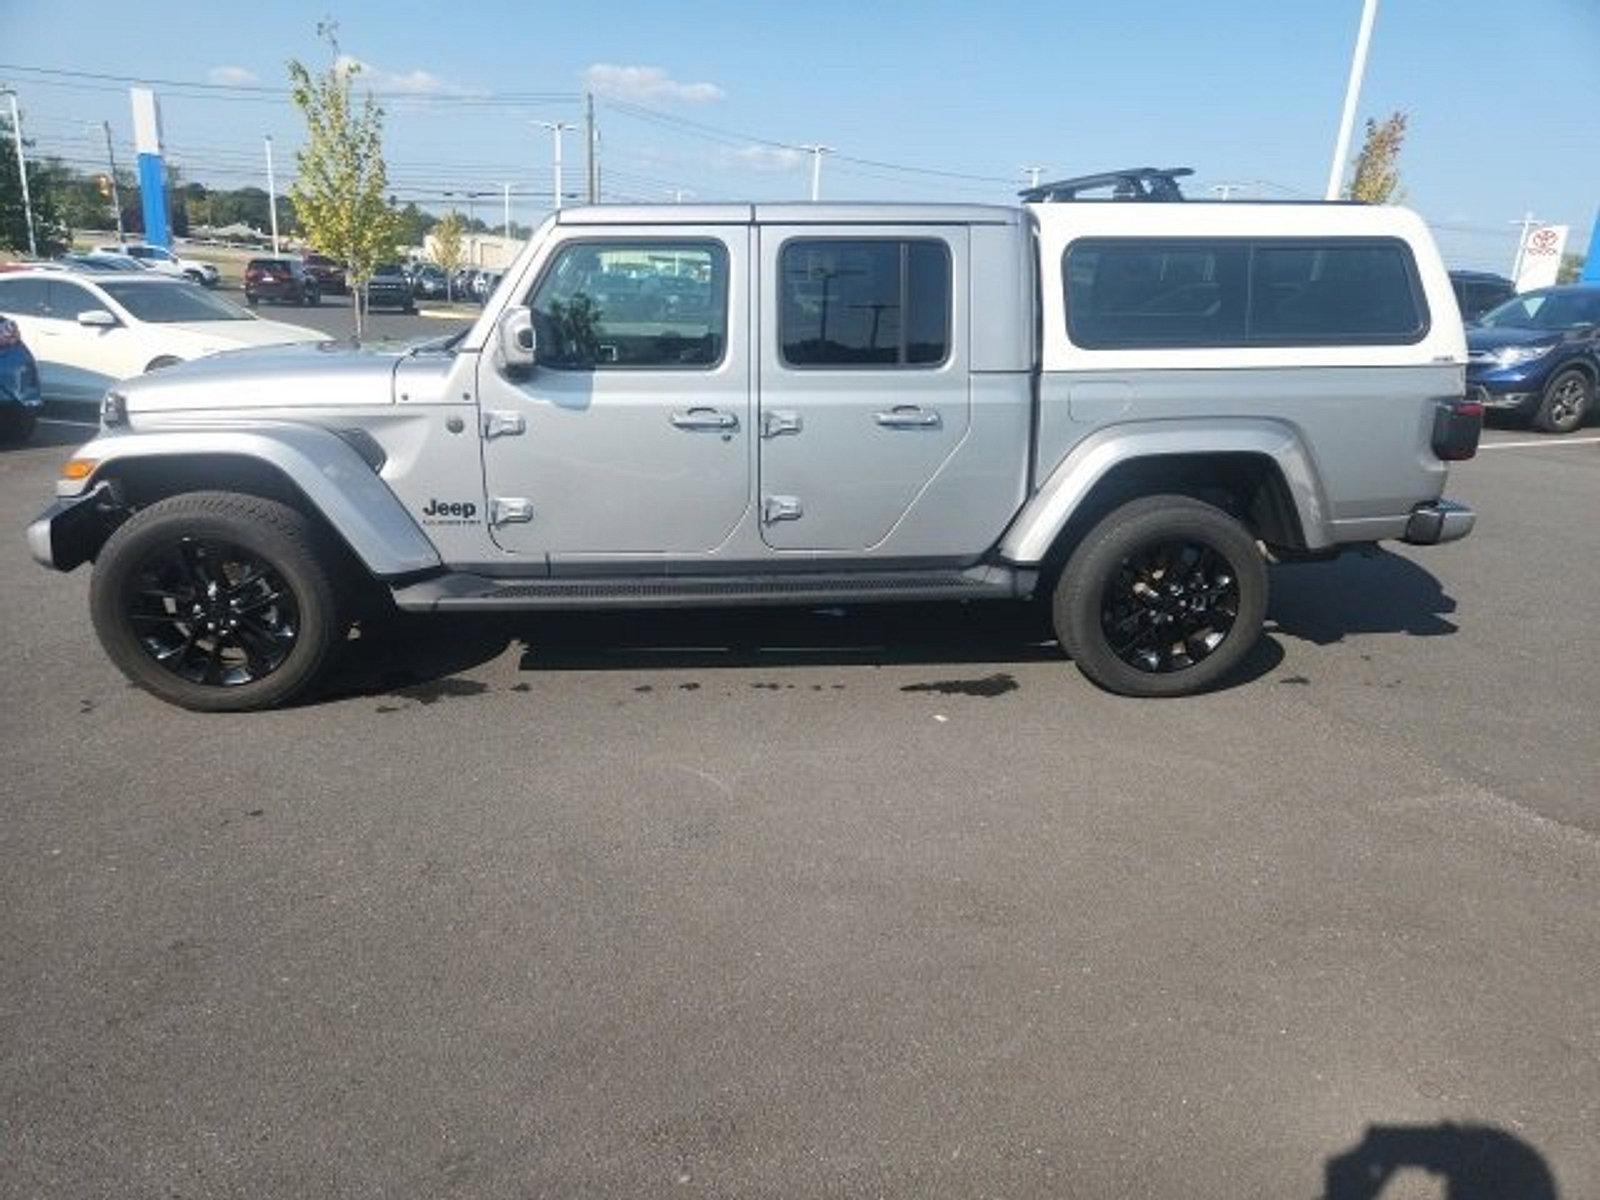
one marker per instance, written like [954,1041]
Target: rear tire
[1565,403]
[217,602]
[1164,597]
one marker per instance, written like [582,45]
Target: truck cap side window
[657,304]
[1156,292]
[858,302]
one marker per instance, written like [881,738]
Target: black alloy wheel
[212,613]
[1565,403]
[1170,605]
[220,602]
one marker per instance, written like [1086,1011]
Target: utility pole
[22,173]
[272,196]
[556,128]
[116,193]
[1527,222]
[592,140]
[1033,174]
[505,195]
[1225,191]
[817,152]
[679,193]
[1352,93]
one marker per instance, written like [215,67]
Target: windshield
[164,303]
[1546,310]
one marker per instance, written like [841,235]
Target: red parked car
[328,274]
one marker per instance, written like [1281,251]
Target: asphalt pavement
[826,903]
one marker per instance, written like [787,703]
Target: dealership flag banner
[1540,260]
[147,145]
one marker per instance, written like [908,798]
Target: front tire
[1566,401]
[1165,596]
[217,602]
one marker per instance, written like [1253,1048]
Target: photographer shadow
[1473,1162]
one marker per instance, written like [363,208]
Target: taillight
[10,335]
[1457,425]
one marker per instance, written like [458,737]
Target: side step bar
[464,592]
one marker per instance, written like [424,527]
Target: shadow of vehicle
[1363,592]
[1474,1162]
[1319,602]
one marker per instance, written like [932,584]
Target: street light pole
[1033,175]
[22,173]
[272,196]
[817,152]
[557,128]
[116,193]
[505,196]
[1352,93]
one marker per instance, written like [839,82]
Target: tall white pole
[505,195]
[1033,175]
[816,169]
[22,173]
[556,128]
[272,196]
[1352,94]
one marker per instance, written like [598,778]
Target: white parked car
[87,331]
[165,262]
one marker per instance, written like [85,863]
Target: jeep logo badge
[450,510]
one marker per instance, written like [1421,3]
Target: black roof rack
[1135,183]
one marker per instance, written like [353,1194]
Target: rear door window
[24,297]
[858,302]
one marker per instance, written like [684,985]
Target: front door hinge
[510,510]
[502,424]
[775,421]
[780,508]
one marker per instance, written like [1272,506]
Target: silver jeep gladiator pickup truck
[1123,408]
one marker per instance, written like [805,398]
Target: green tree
[447,247]
[414,225]
[1572,266]
[1377,175]
[339,191]
[44,182]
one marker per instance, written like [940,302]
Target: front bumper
[1437,522]
[72,529]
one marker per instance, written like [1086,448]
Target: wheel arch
[312,470]
[1259,471]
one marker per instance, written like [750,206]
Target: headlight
[113,410]
[1515,356]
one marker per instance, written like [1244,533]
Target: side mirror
[519,349]
[96,318]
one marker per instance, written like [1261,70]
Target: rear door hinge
[776,421]
[510,510]
[780,508]
[502,424]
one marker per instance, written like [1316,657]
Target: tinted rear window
[1151,292]
[858,302]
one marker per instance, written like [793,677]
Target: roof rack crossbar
[1134,183]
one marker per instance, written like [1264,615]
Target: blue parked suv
[20,401]
[1538,356]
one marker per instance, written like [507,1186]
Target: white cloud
[763,158]
[231,76]
[410,83]
[646,85]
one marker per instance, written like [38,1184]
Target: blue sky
[1504,98]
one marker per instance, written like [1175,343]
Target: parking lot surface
[833,903]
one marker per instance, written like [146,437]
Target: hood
[1481,338]
[208,337]
[321,375]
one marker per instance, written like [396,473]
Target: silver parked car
[1111,405]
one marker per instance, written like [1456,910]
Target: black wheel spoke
[212,613]
[1170,605]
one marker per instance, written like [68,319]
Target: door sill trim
[462,591]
